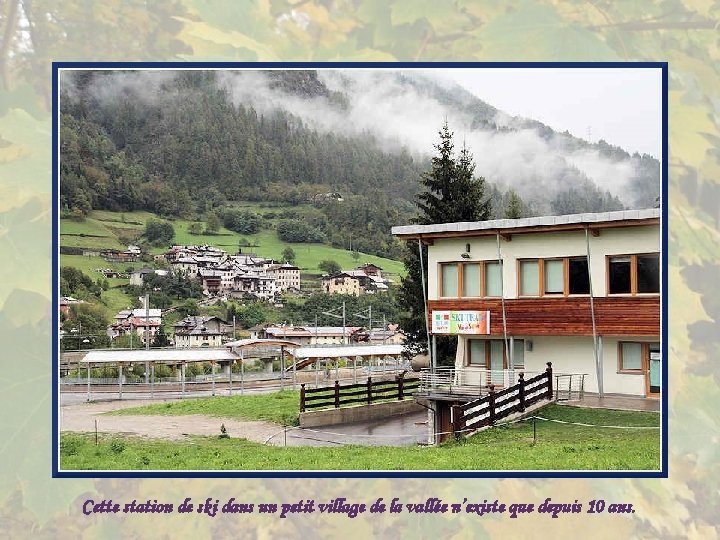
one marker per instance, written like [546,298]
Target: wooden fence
[368,392]
[497,405]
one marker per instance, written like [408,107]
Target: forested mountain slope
[182,144]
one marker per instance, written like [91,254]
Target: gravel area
[82,417]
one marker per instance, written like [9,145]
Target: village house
[365,279]
[201,332]
[287,277]
[341,283]
[381,336]
[137,277]
[66,302]
[139,322]
[114,255]
[581,291]
[252,284]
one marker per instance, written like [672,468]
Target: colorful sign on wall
[460,322]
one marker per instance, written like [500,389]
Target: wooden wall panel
[616,316]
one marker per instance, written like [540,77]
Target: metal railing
[469,381]
[569,386]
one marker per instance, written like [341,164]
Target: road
[77,415]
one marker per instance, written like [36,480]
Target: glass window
[554,277]
[518,353]
[449,279]
[471,279]
[477,352]
[579,276]
[631,356]
[493,279]
[648,273]
[619,278]
[529,278]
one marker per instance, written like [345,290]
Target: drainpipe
[598,359]
[425,315]
[511,370]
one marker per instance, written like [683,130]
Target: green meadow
[555,446]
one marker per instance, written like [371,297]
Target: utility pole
[336,316]
[370,322]
[147,336]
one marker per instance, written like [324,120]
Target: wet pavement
[622,403]
[406,430]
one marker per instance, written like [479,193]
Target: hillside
[111,230]
[183,144]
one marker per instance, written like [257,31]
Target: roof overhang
[167,356]
[260,343]
[594,223]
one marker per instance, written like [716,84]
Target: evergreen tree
[288,255]
[514,208]
[161,339]
[451,194]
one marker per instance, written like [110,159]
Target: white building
[287,276]
[517,294]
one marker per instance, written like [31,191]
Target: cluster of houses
[211,331]
[141,323]
[244,275]
[365,279]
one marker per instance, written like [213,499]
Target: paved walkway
[82,417]
[622,403]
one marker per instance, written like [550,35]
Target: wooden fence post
[400,387]
[456,424]
[369,390]
[491,404]
[521,392]
[337,394]
[550,381]
[302,397]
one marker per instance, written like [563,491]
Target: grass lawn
[275,407]
[558,446]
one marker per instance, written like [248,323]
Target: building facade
[197,331]
[581,291]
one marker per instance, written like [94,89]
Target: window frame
[644,357]
[459,294]
[486,353]
[541,277]
[633,274]
[518,343]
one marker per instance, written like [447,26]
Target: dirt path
[81,417]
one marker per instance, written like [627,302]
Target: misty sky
[621,105]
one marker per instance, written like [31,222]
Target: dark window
[579,276]
[648,273]
[620,275]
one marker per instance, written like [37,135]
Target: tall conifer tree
[451,194]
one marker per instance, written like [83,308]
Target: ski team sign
[461,322]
